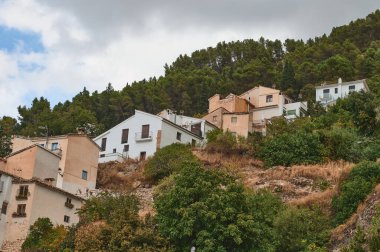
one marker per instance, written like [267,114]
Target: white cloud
[90,43]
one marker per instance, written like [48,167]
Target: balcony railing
[21,197]
[69,205]
[140,137]
[18,215]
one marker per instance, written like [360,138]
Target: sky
[55,48]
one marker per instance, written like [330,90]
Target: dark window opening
[114,150]
[84,174]
[66,219]
[126,148]
[179,135]
[142,155]
[145,131]
[4,207]
[104,144]
[124,136]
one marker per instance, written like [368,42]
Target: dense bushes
[43,236]
[297,229]
[288,149]
[168,160]
[354,189]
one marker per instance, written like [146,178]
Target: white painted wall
[5,195]
[297,107]
[169,135]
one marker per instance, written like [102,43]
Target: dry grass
[119,176]
[319,199]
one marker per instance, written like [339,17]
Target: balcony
[69,205]
[21,197]
[18,215]
[143,136]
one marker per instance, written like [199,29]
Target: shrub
[43,236]
[301,229]
[289,149]
[354,189]
[168,160]
[223,142]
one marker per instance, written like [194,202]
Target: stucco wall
[23,163]
[46,165]
[218,114]
[242,125]
[5,195]
[43,207]
[262,114]
[342,91]
[232,103]
[169,135]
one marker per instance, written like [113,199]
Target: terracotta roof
[19,180]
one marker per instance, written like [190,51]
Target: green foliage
[292,148]
[354,189]
[222,142]
[301,230]
[212,212]
[168,160]
[5,143]
[43,236]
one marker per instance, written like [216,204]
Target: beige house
[77,166]
[23,201]
[251,111]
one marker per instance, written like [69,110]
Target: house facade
[139,137]
[23,201]
[327,94]
[250,111]
[78,164]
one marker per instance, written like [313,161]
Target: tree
[210,211]
[288,77]
[5,143]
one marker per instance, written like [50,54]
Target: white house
[327,94]
[140,136]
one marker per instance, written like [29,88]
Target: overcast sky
[53,48]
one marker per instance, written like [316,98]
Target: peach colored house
[77,168]
[250,111]
[23,201]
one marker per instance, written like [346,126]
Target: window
[68,203]
[214,118]
[104,144]
[102,155]
[326,91]
[4,207]
[66,219]
[54,146]
[142,155]
[20,211]
[291,112]
[336,90]
[193,142]
[179,135]
[351,88]
[42,145]
[114,150]
[234,119]
[84,175]
[269,98]
[126,148]
[124,136]
[145,131]
[22,193]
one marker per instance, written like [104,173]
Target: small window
[179,135]
[145,131]
[291,112]
[21,209]
[84,175]
[351,88]
[336,90]
[68,200]
[104,144]
[326,91]
[114,150]
[142,155]
[4,207]
[234,119]
[214,118]
[126,148]
[66,219]
[269,98]
[54,146]
[124,136]
[23,191]
[102,155]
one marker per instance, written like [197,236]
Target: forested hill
[294,66]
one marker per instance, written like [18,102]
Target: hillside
[294,66]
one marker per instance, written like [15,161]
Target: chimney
[340,81]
